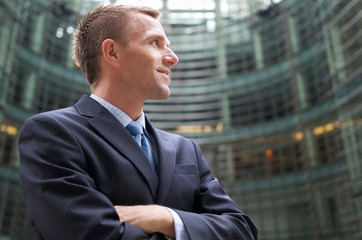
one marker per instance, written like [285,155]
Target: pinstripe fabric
[124,119]
[77,163]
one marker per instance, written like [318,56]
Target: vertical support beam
[8,35]
[15,162]
[28,97]
[350,146]
[3,201]
[311,147]
[339,59]
[69,61]
[316,229]
[321,210]
[165,17]
[222,70]
[253,6]
[301,91]
[349,135]
[219,29]
[258,49]
[293,36]
[4,61]
[335,55]
[38,33]
[229,155]
[4,41]
[225,107]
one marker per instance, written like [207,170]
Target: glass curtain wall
[271,90]
[274,99]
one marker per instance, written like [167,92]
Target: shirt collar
[121,116]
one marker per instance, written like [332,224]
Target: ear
[111,53]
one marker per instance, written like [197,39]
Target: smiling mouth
[166,72]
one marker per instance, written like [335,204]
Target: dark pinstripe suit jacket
[77,163]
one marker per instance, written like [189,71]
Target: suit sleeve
[215,214]
[61,197]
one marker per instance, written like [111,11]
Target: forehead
[144,26]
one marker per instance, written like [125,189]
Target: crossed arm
[149,218]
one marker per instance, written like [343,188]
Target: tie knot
[135,128]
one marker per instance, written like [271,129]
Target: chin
[161,96]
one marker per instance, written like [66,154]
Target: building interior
[271,90]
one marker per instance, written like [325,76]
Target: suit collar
[117,136]
[87,106]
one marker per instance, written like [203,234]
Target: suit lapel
[167,161]
[118,137]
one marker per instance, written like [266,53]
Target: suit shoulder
[58,115]
[163,133]
[175,138]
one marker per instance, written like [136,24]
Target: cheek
[139,63]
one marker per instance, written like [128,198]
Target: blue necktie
[136,130]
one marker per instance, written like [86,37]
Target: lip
[164,71]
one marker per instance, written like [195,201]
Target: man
[83,173]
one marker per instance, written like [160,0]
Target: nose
[170,58]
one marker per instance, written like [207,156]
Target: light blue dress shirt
[124,119]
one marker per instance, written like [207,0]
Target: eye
[155,42]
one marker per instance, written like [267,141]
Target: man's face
[146,60]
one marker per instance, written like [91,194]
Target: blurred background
[271,90]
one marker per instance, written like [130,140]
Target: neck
[130,106]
